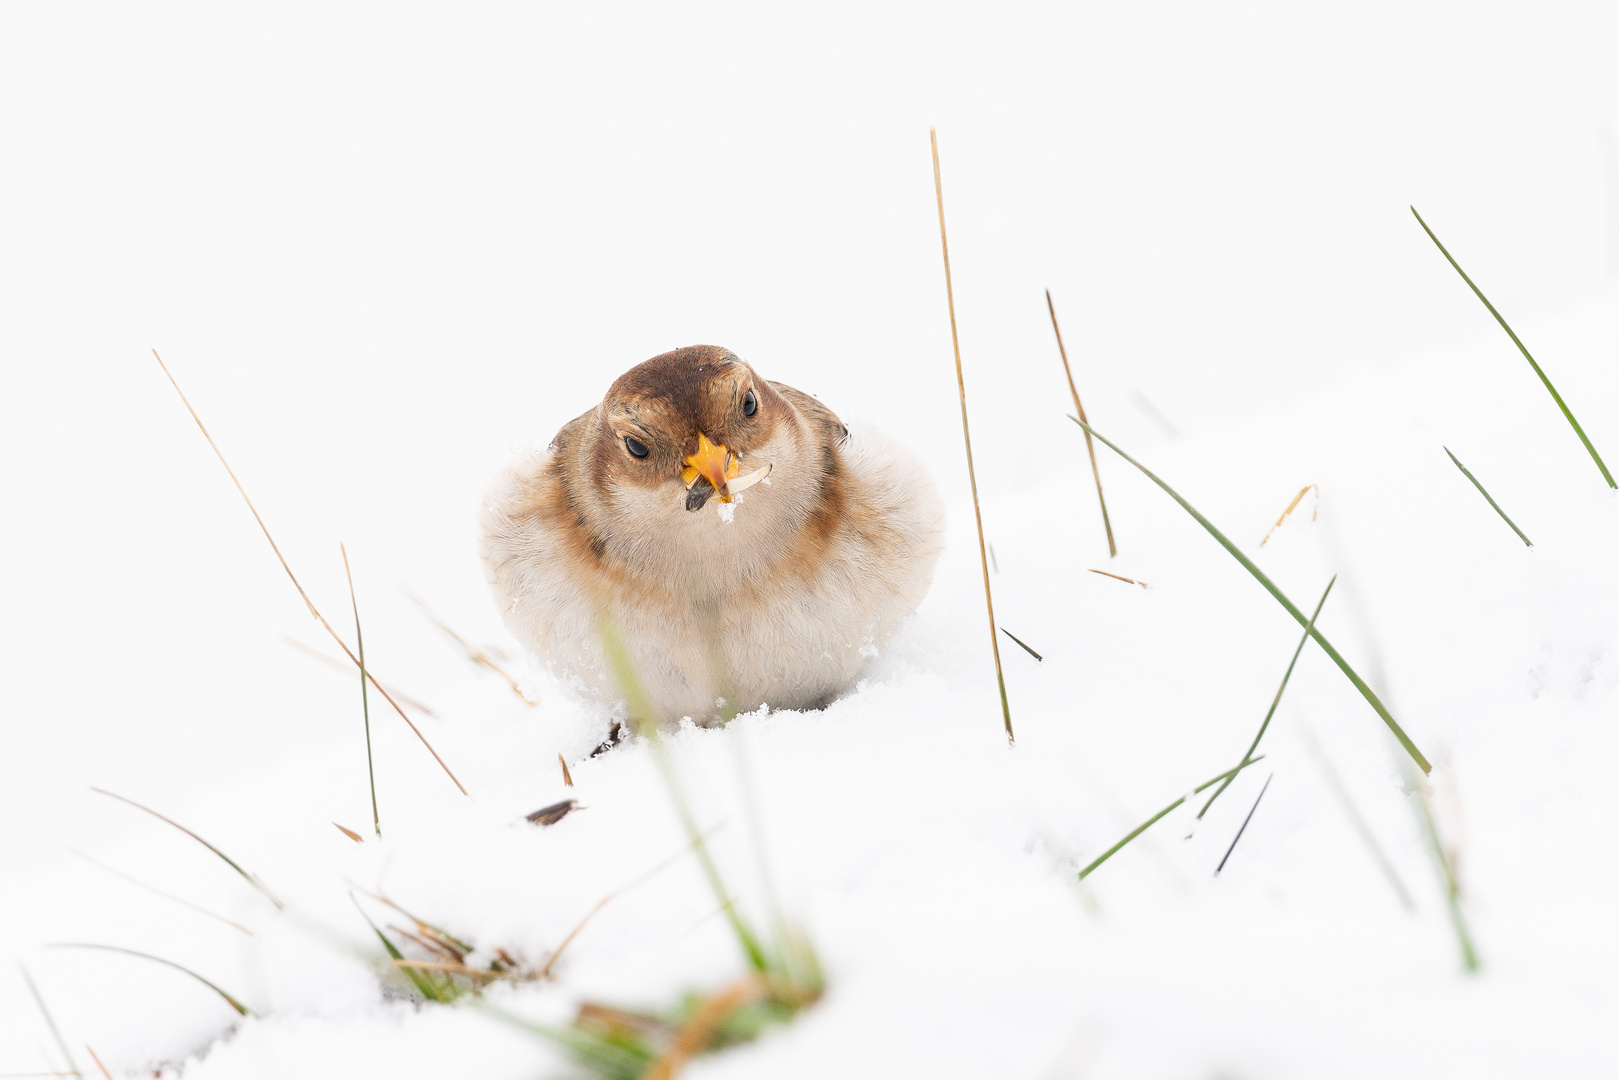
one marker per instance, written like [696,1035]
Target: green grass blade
[365,699]
[1292,609]
[1487,498]
[1022,643]
[237,1005]
[644,721]
[252,879]
[1447,879]
[1277,700]
[428,988]
[1150,822]
[1561,404]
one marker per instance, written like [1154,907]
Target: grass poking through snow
[1150,822]
[1090,448]
[1021,644]
[251,879]
[966,435]
[1291,608]
[310,604]
[1493,504]
[1561,404]
[1244,827]
[1277,700]
[50,1021]
[365,700]
[231,1001]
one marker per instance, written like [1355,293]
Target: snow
[384,250]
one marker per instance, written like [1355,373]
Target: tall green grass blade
[232,1002]
[1561,404]
[365,699]
[429,989]
[251,879]
[1496,507]
[644,721]
[1277,700]
[50,1021]
[1291,608]
[1150,822]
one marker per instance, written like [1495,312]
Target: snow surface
[382,249]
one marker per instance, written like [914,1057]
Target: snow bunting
[747,546]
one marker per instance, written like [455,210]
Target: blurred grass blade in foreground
[1561,404]
[1270,587]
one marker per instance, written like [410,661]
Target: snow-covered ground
[382,249]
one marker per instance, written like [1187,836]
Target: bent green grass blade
[251,879]
[1270,587]
[232,1002]
[1150,822]
[1487,498]
[428,989]
[1561,404]
[1277,700]
[1447,879]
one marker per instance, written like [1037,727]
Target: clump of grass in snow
[1270,587]
[365,701]
[251,879]
[1150,822]
[1112,548]
[231,1001]
[310,604]
[1561,404]
[1277,700]
[1493,505]
[966,435]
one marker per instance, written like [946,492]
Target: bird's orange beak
[713,463]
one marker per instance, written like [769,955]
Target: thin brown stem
[1090,447]
[294,579]
[966,435]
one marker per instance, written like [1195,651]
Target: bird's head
[693,424]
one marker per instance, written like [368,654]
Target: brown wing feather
[821,419]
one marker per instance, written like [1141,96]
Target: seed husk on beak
[713,471]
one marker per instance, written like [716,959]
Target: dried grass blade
[1291,608]
[478,656]
[159,892]
[1244,826]
[305,596]
[1561,404]
[1290,508]
[1090,448]
[966,435]
[1022,644]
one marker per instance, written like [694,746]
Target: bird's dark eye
[750,404]
[635,446]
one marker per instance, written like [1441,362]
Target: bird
[744,546]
